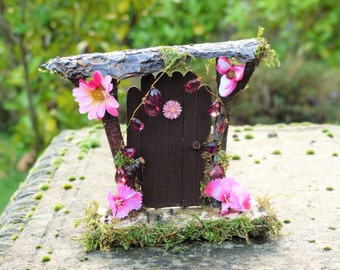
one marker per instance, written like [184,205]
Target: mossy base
[168,227]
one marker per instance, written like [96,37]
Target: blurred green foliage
[36,106]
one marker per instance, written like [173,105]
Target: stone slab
[305,190]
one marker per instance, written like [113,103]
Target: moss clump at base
[103,236]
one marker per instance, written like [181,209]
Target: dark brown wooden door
[174,169]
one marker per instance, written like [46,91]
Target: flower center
[97,94]
[226,198]
[230,74]
[119,203]
[172,109]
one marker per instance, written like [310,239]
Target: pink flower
[230,193]
[126,200]
[172,109]
[231,75]
[94,97]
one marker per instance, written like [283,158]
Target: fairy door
[171,147]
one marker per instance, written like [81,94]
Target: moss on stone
[168,234]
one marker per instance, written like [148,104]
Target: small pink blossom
[172,109]
[231,75]
[94,97]
[230,193]
[126,200]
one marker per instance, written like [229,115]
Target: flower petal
[135,202]
[122,212]
[110,198]
[225,208]
[112,111]
[97,78]
[216,189]
[239,71]
[84,101]
[227,86]
[223,65]
[112,102]
[92,113]
[244,198]
[100,110]
[106,83]
[125,192]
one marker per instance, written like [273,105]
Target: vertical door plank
[196,128]
[174,137]
[133,99]
[147,148]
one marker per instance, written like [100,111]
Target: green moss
[310,152]
[264,52]
[173,58]
[58,206]
[63,151]
[81,155]
[99,235]
[257,161]
[15,237]
[120,159]
[38,196]
[57,161]
[335,154]
[330,135]
[237,130]
[287,221]
[332,228]
[329,188]
[82,177]
[248,129]
[248,136]
[83,259]
[45,258]
[94,142]
[327,248]
[44,187]
[276,152]
[38,246]
[72,178]
[29,215]
[67,186]
[67,211]
[236,157]
[311,241]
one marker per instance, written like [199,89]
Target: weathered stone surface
[305,190]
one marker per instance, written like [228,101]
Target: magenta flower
[126,200]
[172,109]
[230,193]
[231,75]
[94,97]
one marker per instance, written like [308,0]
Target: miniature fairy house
[168,154]
[175,149]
